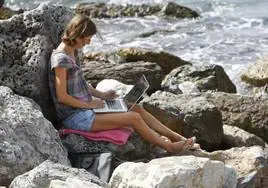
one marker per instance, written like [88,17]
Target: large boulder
[190,115]
[204,78]
[236,137]
[135,149]
[249,113]
[250,163]
[183,171]
[26,137]
[102,10]
[165,60]
[27,41]
[127,73]
[55,175]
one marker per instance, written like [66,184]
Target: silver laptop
[128,101]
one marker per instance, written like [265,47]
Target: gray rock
[183,171]
[250,163]
[257,74]
[71,183]
[135,149]
[205,78]
[127,73]
[236,137]
[257,178]
[191,115]
[111,84]
[102,10]
[165,60]
[249,113]
[27,41]
[52,175]
[6,13]
[26,137]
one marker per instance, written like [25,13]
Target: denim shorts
[81,120]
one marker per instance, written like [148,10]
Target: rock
[135,149]
[26,137]
[52,175]
[255,179]
[186,87]
[146,34]
[102,10]
[174,10]
[205,78]
[236,137]
[165,60]
[190,115]
[257,74]
[183,171]
[6,13]
[126,73]
[27,41]
[249,163]
[111,84]
[126,65]
[72,182]
[249,113]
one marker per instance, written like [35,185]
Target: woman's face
[82,41]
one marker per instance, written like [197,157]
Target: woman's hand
[96,103]
[110,94]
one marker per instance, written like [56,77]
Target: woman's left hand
[110,94]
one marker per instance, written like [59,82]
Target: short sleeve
[61,60]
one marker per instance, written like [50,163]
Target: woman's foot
[195,147]
[177,138]
[180,146]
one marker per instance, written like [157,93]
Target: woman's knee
[134,116]
[137,108]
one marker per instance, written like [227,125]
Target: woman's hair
[79,26]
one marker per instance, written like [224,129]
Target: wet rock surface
[102,10]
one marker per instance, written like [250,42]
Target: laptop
[125,103]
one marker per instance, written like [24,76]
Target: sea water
[230,33]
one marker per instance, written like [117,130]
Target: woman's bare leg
[157,125]
[116,120]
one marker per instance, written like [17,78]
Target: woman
[73,100]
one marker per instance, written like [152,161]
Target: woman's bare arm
[110,94]
[63,97]
[95,92]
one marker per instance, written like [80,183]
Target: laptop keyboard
[114,104]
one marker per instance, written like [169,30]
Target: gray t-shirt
[77,86]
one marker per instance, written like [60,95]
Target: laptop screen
[136,92]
